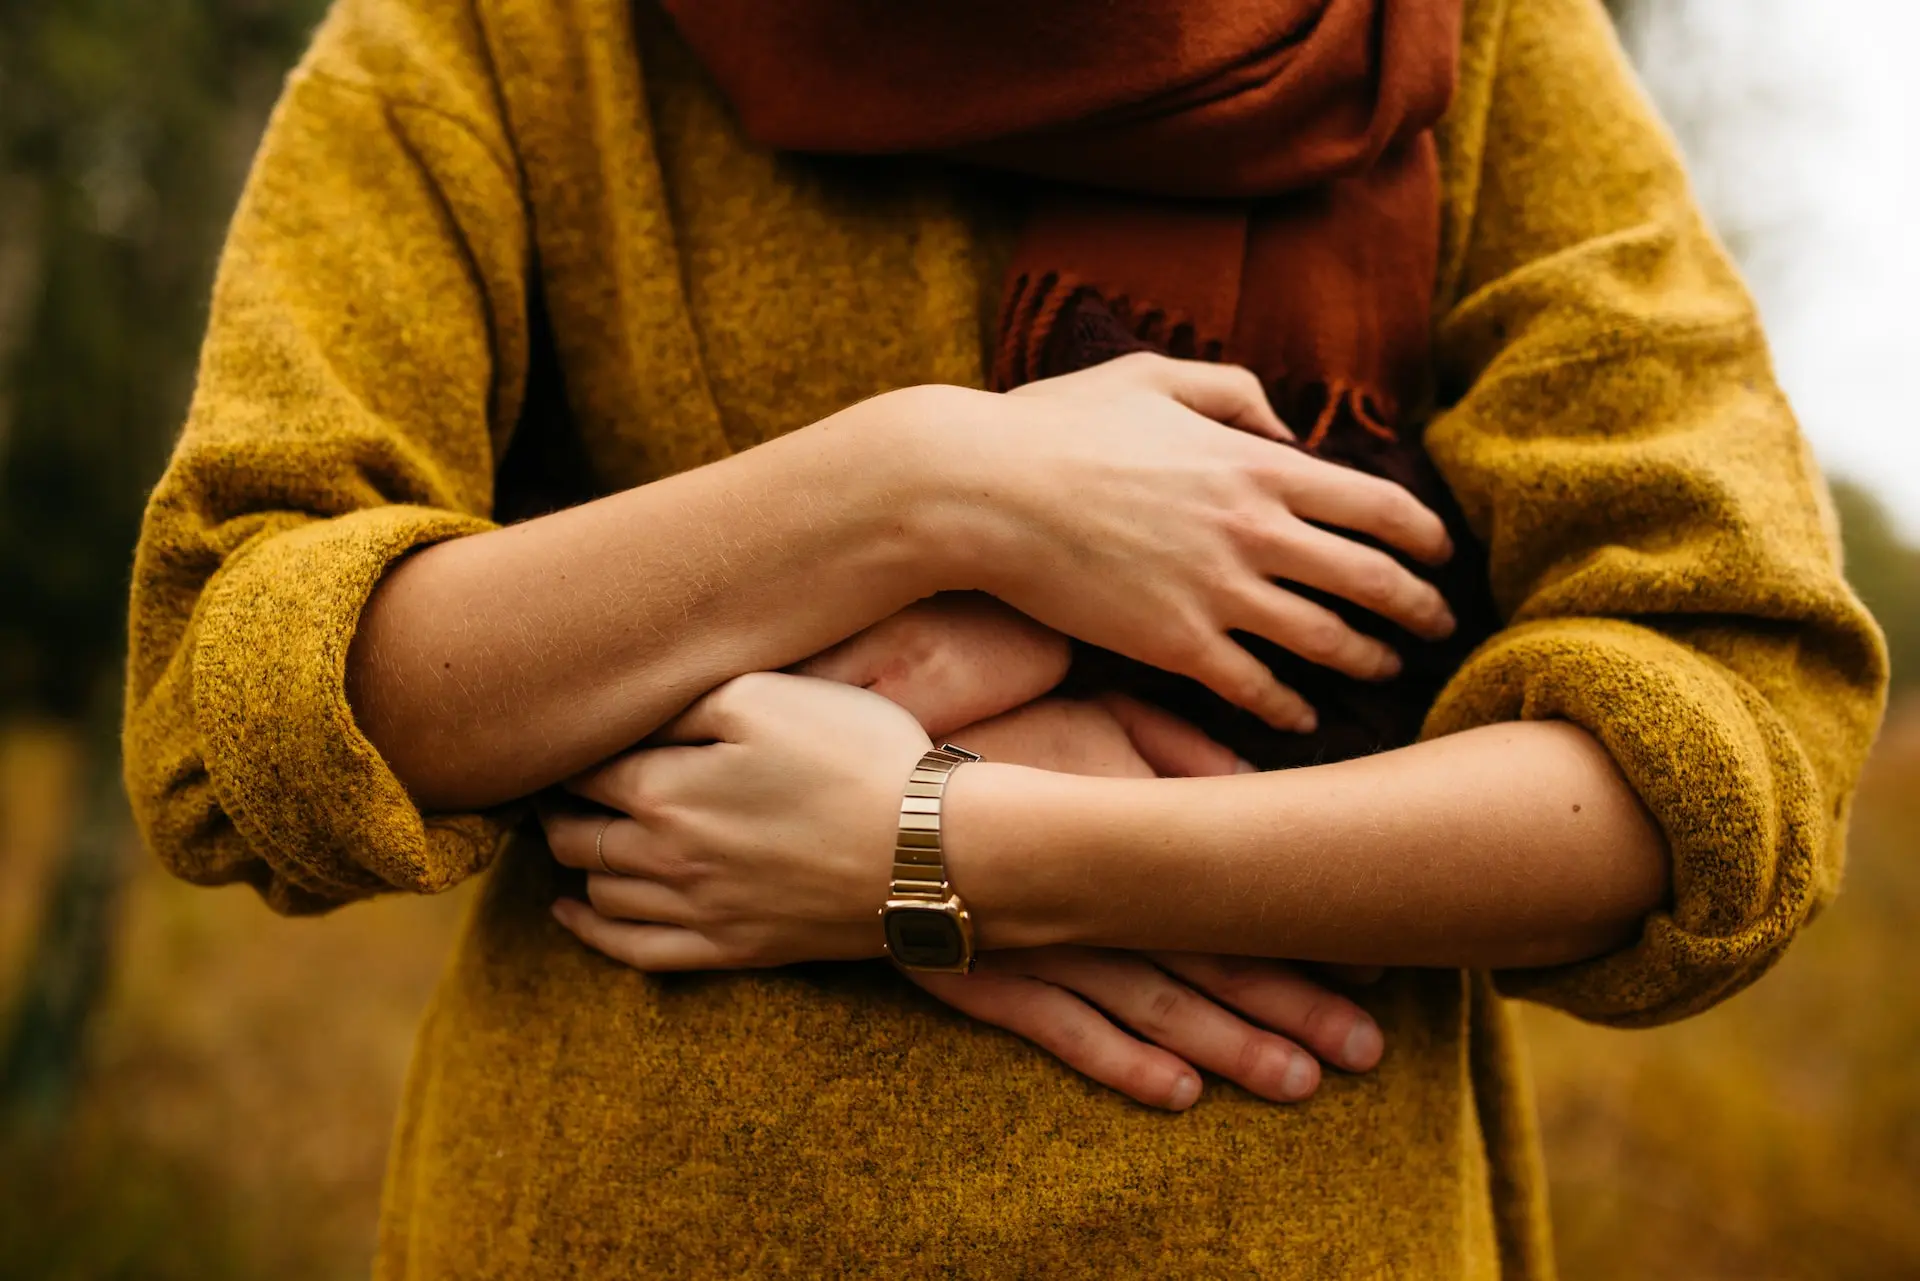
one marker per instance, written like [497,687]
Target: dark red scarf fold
[1247,180]
[1252,180]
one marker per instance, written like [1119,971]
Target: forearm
[488,667]
[1513,845]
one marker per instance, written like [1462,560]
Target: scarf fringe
[1034,308]
[1367,408]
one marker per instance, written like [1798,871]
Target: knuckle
[1189,649]
[1236,380]
[1287,464]
[1270,472]
[621,778]
[1163,1007]
[1328,1019]
[641,804]
[1231,978]
[1136,362]
[750,688]
[1247,527]
[1242,688]
[677,867]
[1421,604]
[1408,520]
[1379,507]
[1379,580]
[1320,636]
[1252,1057]
[724,699]
[1069,1040]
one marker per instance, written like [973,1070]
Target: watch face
[924,938]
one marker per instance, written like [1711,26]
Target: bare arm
[1513,845]
[488,667]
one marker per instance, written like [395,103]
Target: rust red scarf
[1253,180]
[1250,180]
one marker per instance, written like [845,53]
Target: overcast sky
[1802,118]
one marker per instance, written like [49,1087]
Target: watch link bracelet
[927,925]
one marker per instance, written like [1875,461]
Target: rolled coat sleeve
[364,363]
[1658,536]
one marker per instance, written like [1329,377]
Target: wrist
[938,481]
[1012,854]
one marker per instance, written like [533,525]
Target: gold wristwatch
[927,925]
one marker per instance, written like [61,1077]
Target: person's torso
[569,1116]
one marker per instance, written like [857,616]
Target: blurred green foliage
[1886,573]
[125,126]
[125,129]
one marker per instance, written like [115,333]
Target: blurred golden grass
[246,1069]
[1777,1136]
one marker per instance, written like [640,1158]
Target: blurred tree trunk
[67,970]
[125,127]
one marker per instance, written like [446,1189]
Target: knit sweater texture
[485,238]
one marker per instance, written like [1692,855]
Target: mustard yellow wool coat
[484,231]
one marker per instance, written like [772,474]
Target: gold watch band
[919,864]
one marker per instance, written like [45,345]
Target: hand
[770,843]
[1117,510]
[669,905]
[1112,736]
[951,659]
[1070,1000]
[969,667]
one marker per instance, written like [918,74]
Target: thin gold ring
[600,848]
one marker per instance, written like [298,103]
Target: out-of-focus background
[192,1088]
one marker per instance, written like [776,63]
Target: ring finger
[597,842]
[1170,1014]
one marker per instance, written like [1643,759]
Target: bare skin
[493,666]
[1175,533]
[1141,1024]
[487,668]
[1513,845]
[950,658]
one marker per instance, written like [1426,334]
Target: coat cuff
[1739,804]
[301,784]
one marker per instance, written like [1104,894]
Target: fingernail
[1363,1046]
[1390,665]
[1244,767]
[1186,1092]
[1448,624]
[1306,722]
[1298,1082]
